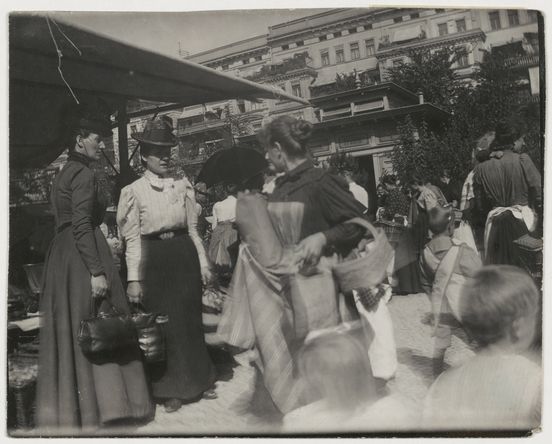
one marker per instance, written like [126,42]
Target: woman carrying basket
[306,215]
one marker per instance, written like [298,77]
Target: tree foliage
[474,109]
[431,73]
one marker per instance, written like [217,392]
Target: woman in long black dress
[166,262]
[74,395]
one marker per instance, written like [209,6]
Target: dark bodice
[327,204]
[77,204]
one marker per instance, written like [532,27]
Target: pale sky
[196,31]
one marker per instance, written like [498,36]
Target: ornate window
[355,51]
[370,47]
[494,18]
[325,57]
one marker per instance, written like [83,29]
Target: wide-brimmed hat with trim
[157,132]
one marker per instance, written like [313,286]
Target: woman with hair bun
[325,197]
[284,302]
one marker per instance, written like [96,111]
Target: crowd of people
[323,340]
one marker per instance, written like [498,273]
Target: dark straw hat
[93,116]
[157,132]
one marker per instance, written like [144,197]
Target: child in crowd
[501,387]
[335,366]
[445,265]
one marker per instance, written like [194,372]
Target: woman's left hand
[206,276]
[312,247]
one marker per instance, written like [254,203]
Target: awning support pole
[124,164]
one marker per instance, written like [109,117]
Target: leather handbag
[151,335]
[106,331]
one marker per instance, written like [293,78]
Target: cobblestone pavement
[243,407]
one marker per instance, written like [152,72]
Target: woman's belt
[166,235]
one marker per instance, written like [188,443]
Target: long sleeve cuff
[344,235]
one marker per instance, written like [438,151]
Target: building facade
[338,60]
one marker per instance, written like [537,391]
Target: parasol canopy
[234,165]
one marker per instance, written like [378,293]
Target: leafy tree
[431,73]
[474,108]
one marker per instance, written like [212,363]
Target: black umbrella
[234,165]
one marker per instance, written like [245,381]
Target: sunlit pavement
[238,411]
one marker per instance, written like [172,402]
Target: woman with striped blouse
[166,263]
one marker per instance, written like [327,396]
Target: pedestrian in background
[359,192]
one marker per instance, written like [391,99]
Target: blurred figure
[501,387]
[337,373]
[450,189]
[509,185]
[225,235]
[360,193]
[425,197]
[445,264]
[396,209]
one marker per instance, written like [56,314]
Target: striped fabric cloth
[255,314]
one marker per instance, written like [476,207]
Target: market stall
[53,64]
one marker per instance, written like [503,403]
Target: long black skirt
[172,286]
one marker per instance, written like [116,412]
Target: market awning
[94,65]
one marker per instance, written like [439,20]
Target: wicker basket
[22,391]
[369,270]
[392,230]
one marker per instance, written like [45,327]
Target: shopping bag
[378,331]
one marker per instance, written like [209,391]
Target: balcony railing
[200,127]
[346,82]
[525,61]
[298,62]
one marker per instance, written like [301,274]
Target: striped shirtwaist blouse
[160,209]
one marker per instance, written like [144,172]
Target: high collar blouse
[153,205]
